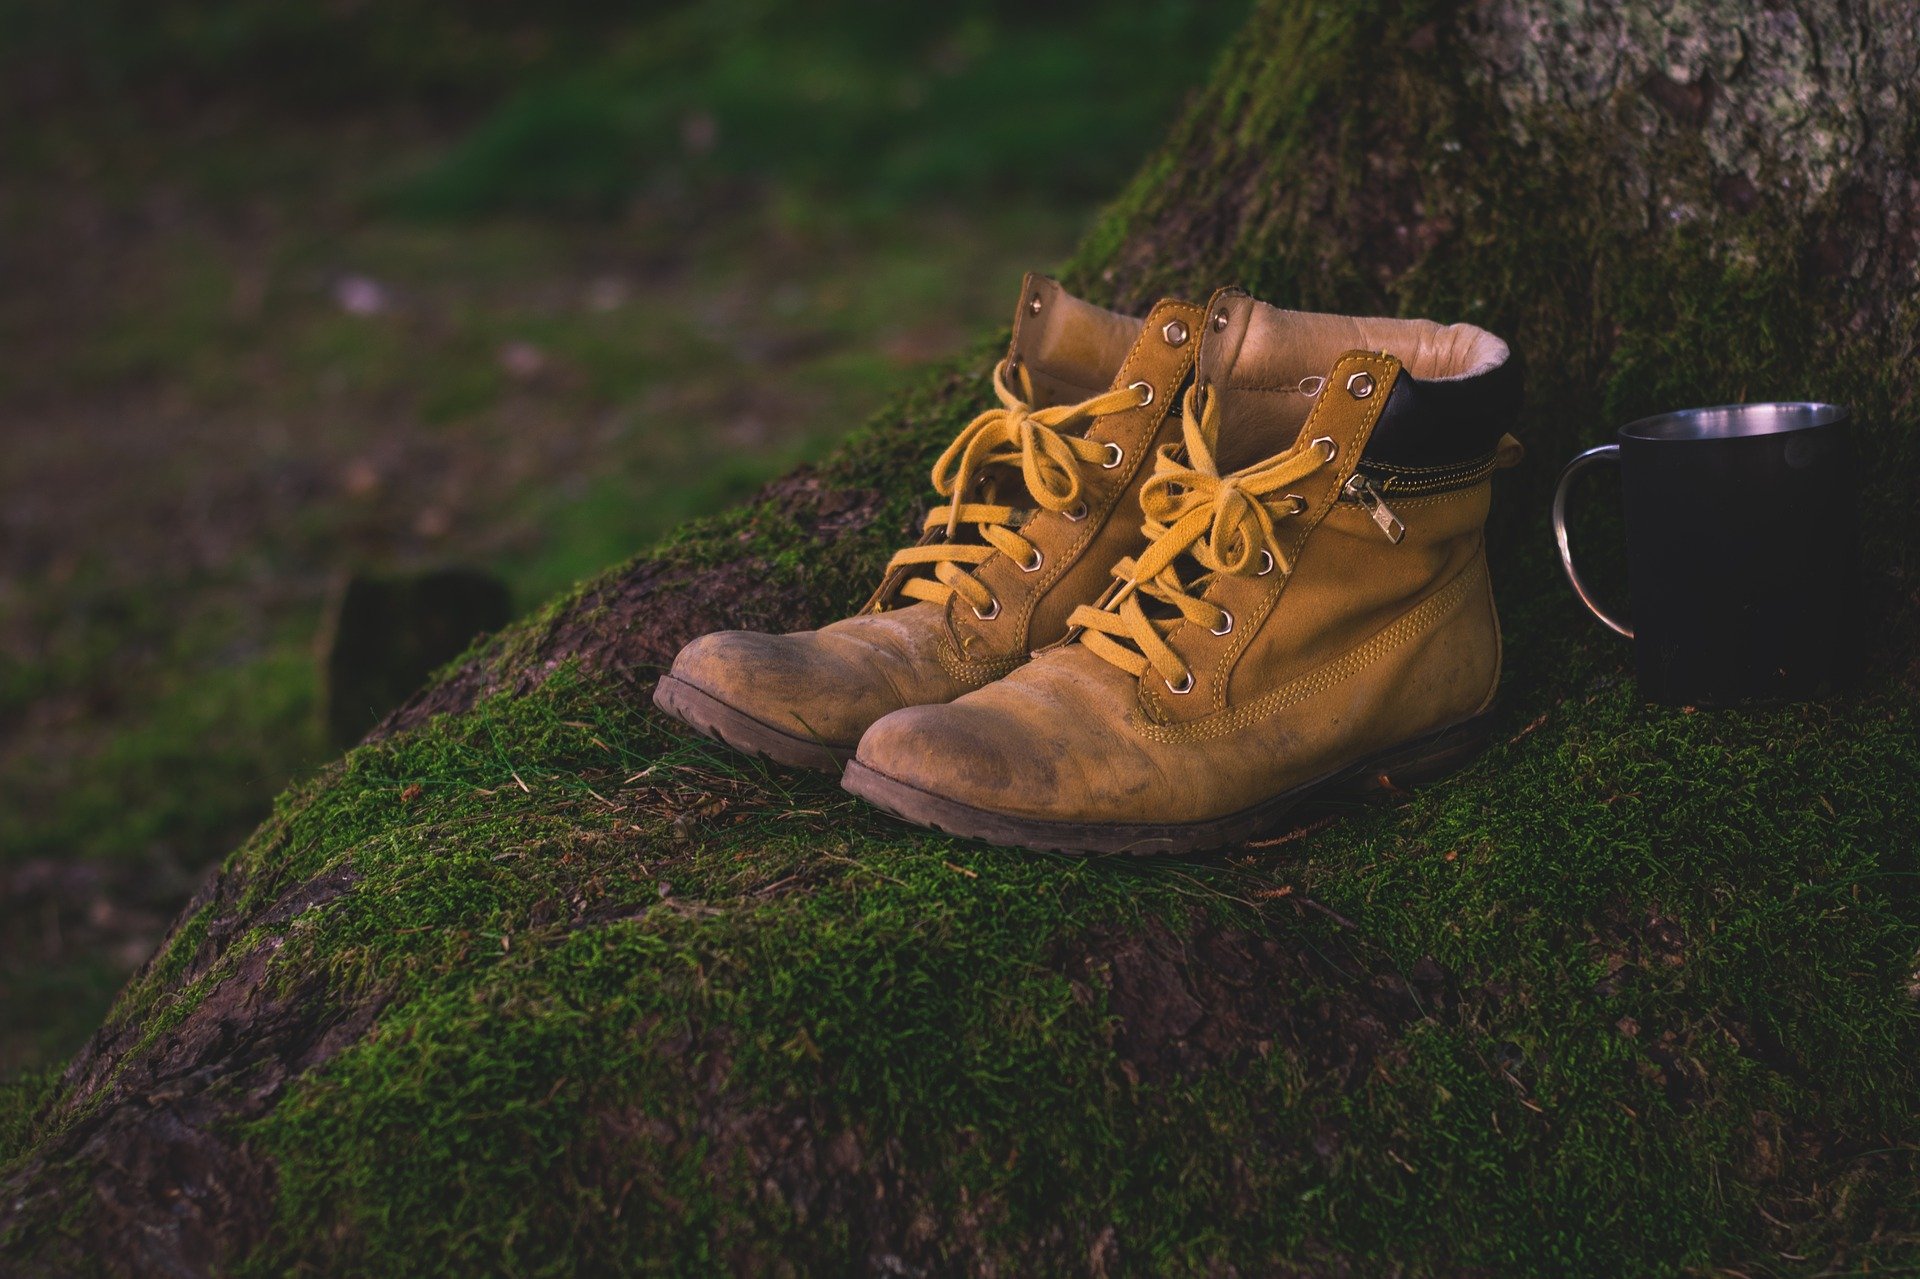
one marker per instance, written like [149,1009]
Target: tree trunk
[532,983]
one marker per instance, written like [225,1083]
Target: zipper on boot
[1360,489]
[1410,481]
[1371,480]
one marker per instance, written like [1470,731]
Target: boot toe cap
[969,753]
[787,682]
[1046,744]
[944,750]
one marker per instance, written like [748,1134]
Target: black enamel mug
[1742,559]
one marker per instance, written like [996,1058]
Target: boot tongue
[1268,366]
[1069,350]
[1072,350]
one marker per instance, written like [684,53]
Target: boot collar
[1457,394]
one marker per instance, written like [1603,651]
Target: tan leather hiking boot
[1312,611]
[1042,497]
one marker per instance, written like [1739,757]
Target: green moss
[22,1094]
[532,1050]
[1633,994]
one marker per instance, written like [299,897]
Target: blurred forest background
[295,290]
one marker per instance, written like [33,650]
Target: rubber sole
[710,717]
[1383,776]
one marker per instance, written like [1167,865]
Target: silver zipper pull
[1361,490]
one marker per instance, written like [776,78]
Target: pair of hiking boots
[1194,569]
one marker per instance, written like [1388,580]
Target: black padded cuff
[1446,421]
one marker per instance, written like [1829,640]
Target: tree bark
[1691,204]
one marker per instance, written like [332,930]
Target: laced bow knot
[1221,523]
[1239,524]
[1050,462]
[1016,432]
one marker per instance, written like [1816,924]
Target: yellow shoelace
[1050,463]
[1223,523]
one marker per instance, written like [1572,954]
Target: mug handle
[1605,453]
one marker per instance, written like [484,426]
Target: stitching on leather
[1429,488]
[1408,626]
[1435,499]
[972,673]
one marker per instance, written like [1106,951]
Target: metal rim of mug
[1735,421]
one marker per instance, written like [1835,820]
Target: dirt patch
[1184,1003]
[798,1164]
[1633,944]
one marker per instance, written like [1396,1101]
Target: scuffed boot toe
[949,768]
[930,747]
[748,690]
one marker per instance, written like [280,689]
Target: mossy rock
[533,983]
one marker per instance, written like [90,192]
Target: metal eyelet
[1175,333]
[1332,450]
[1146,392]
[1076,512]
[990,614]
[1360,385]
[1226,629]
[1034,566]
[1266,563]
[1220,321]
[1299,504]
[1033,305]
[1115,456]
[1187,687]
